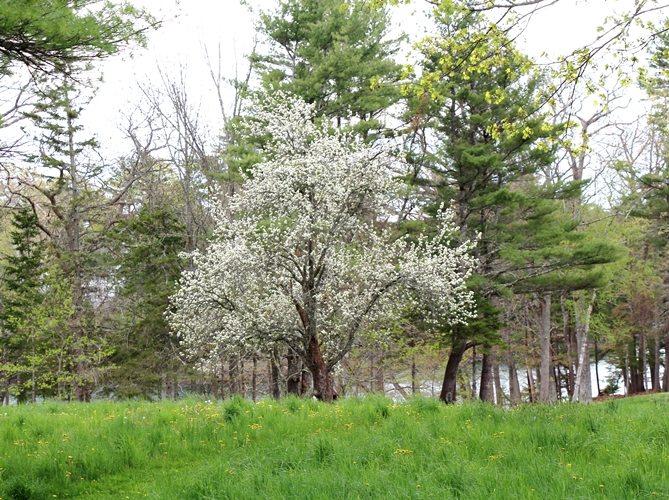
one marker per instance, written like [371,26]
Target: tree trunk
[626,371]
[448,388]
[293,379]
[545,343]
[214,385]
[642,358]
[379,376]
[254,378]
[599,389]
[583,309]
[233,373]
[514,384]
[274,373]
[568,338]
[655,366]
[496,378]
[530,380]
[474,372]
[635,386]
[486,393]
[323,388]
[558,386]
[665,385]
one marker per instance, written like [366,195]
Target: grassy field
[370,448]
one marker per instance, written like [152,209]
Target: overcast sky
[191,26]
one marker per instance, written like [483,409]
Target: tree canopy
[55,36]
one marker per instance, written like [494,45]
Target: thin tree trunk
[558,384]
[665,385]
[642,359]
[530,379]
[528,370]
[656,363]
[633,364]
[626,370]
[599,389]
[568,338]
[379,376]
[233,373]
[496,378]
[274,374]
[214,385]
[254,378]
[514,384]
[473,372]
[545,343]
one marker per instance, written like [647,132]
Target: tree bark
[413,374]
[379,376]
[514,384]
[568,338]
[448,388]
[495,373]
[322,385]
[545,342]
[293,379]
[233,373]
[583,309]
[665,385]
[486,393]
[656,362]
[274,387]
[599,389]
[642,360]
[214,385]
[254,378]
[635,385]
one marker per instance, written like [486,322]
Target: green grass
[369,448]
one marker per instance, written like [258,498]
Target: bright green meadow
[355,448]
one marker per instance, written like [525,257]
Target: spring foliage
[301,256]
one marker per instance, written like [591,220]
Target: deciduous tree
[304,261]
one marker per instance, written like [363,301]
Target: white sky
[192,25]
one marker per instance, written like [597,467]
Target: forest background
[554,168]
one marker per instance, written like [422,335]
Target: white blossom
[297,256]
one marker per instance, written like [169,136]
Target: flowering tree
[301,258]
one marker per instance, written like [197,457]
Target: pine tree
[23,293]
[334,54]
[148,267]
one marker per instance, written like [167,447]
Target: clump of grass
[355,448]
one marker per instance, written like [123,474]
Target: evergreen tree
[47,36]
[148,268]
[490,142]
[36,309]
[23,293]
[334,54]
